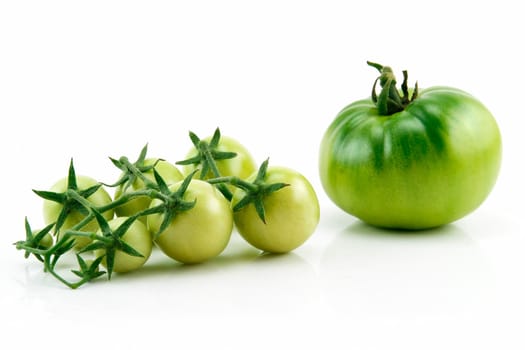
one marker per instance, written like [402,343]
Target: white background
[94,79]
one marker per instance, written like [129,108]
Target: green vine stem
[50,256]
[133,171]
[389,100]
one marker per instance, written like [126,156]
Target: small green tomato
[291,213]
[200,233]
[138,237]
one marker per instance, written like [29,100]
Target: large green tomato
[52,209]
[291,213]
[424,166]
[168,171]
[138,237]
[199,233]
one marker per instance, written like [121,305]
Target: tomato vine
[75,200]
[58,240]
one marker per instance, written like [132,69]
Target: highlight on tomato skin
[410,158]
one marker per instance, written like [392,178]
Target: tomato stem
[74,199]
[234,181]
[390,100]
[133,171]
[207,155]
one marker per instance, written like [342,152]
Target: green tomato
[199,233]
[138,237]
[242,165]
[425,166]
[52,209]
[169,172]
[291,213]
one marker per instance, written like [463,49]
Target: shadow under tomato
[161,264]
[375,272]
[233,283]
[360,227]
[238,252]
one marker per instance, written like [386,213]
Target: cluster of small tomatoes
[188,209]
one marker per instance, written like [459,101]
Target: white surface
[95,79]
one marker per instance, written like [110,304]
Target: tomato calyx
[207,154]
[89,270]
[133,171]
[70,199]
[110,241]
[33,244]
[389,100]
[172,204]
[256,191]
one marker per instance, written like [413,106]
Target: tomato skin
[291,213]
[199,233]
[242,165]
[138,237]
[169,172]
[426,166]
[51,210]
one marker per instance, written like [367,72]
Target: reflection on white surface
[372,286]
[240,281]
[368,272]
